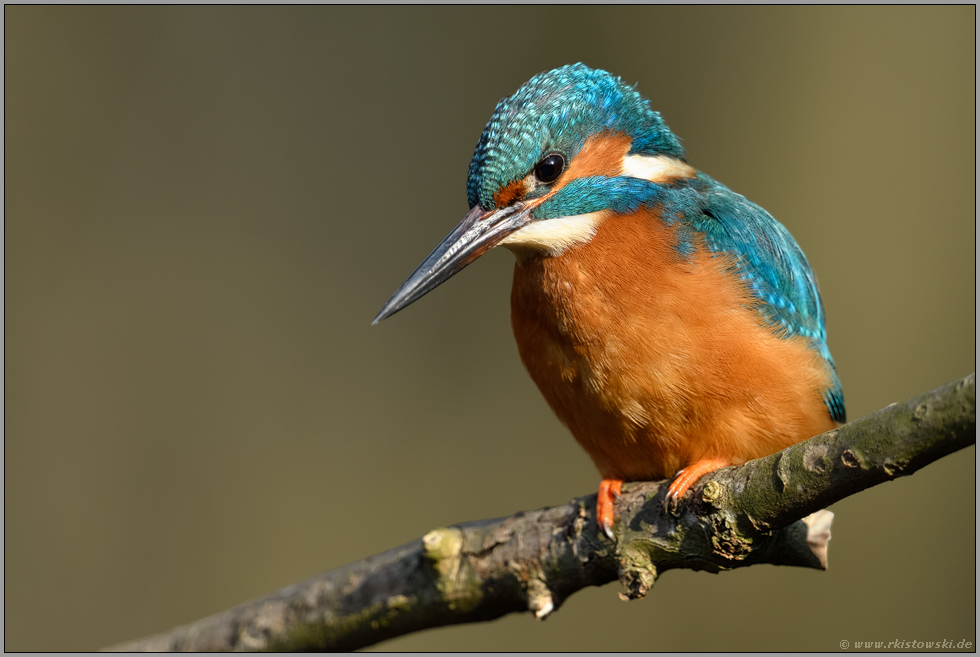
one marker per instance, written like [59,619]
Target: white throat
[554,236]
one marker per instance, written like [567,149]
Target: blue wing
[773,265]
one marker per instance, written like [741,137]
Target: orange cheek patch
[601,155]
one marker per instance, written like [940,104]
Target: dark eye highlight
[548,169]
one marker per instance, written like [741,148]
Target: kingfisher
[674,326]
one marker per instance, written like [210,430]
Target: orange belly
[654,361]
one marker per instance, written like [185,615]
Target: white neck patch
[555,236]
[656,168]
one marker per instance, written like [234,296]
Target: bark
[765,511]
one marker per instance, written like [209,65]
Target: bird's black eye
[548,169]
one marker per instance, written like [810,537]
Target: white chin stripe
[656,168]
[554,236]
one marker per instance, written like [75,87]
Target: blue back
[773,265]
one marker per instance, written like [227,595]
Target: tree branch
[477,571]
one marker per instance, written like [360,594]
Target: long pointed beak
[478,232]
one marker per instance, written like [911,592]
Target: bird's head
[571,146]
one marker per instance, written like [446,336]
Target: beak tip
[393,306]
[380,316]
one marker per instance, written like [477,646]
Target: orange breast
[654,361]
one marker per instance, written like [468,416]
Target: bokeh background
[205,207]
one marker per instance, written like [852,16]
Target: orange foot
[686,477]
[609,491]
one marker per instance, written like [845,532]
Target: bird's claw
[606,528]
[675,492]
[609,492]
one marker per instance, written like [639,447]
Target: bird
[672,325]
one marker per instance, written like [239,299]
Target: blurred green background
[205,207]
